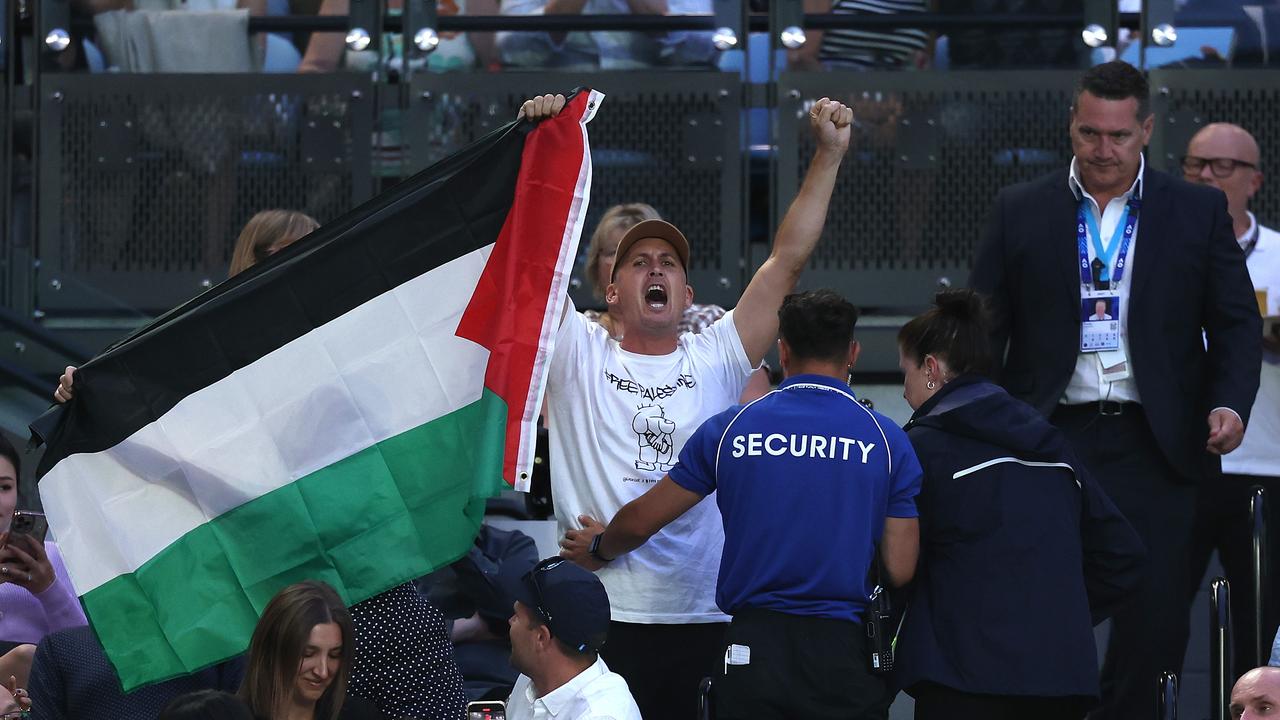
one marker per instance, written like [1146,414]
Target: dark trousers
[1223,523]
[1149,633]
[938,702]
[664,664]
[800,667]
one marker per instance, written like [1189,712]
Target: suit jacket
[71,678]
[1189,284]
[1018,561]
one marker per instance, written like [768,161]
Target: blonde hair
[264,231]
[619,217]
[275,651]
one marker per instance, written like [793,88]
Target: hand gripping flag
[338,412]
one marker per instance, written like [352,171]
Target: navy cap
[569,599]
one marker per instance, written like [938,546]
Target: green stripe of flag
[363,524]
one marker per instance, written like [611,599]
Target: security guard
[809,482]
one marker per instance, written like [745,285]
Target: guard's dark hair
[956,330]
[1115,80]
[206,705]
[817,325]
[10,453]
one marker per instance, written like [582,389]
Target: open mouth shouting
[655,296]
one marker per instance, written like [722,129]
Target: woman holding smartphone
[35,594]
[1021,552]
[299,662]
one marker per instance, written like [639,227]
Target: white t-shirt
[617,423]
[593,694]
[1259,454]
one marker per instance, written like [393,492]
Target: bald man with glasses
[1225,156]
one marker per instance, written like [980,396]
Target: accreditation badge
[1099,321]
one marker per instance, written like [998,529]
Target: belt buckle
[1110,408]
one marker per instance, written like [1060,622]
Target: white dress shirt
[593,694]
[1087,385]
[1259,454]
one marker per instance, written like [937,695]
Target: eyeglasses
[1221,167]
[532,576]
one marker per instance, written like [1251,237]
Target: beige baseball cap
[660,229]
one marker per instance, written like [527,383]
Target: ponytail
[956,330]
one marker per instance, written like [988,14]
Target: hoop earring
[931,385]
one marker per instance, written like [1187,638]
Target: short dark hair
[956,330]
[817,325]
[1115,80]
[206,705]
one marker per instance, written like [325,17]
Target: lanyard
[1252,243]
[1114,255]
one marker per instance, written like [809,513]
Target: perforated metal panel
[1187,100]
[668,139]
[146,180]
[929,153]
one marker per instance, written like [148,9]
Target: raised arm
[756,315]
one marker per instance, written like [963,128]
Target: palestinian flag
[339,412]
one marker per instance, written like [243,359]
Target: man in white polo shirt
[1225,156]
[560,621]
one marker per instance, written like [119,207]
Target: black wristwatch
[594,550]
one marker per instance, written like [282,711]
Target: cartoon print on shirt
[654,433]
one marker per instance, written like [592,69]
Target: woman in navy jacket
[1021,552]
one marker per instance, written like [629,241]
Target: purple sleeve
[61,606]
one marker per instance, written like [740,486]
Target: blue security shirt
[804,477]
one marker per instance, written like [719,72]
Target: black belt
[1106,408]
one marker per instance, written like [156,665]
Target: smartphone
[487,710]
[29,523]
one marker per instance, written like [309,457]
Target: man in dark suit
[1149,409]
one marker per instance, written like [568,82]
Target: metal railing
[1261,580]
[952,139]
[1220,677]
[1167,702]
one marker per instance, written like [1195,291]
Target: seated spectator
[206,705]
[143,36]
[266,233]
[559,623]
[473,597]
[1256,694]
[605,49]
[403,660]
[1020,548]
[864,49]
[615,222]
[1025,48]
[36,596]
[299,660]
[73,679]
[1256,24]
[325,52]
